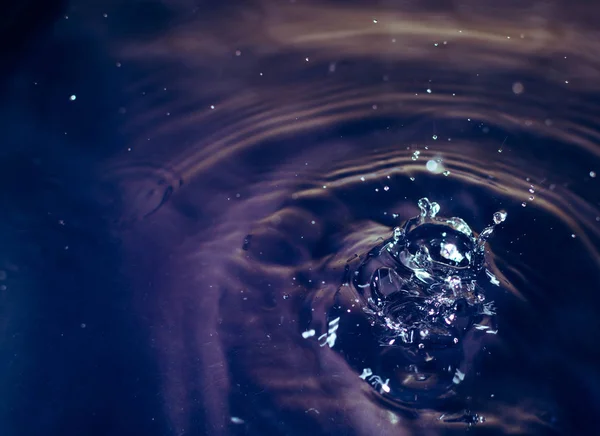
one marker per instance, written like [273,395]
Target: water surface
[217,170]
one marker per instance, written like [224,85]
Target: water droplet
[518,88]
[500,216]
[428,209]
[431,166]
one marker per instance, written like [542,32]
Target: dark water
[198,204]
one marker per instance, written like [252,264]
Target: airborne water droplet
[500,216]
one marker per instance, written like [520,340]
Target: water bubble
[524,204]
[446,173]
[592,174]
[434,137]
[73,97]
[415,155]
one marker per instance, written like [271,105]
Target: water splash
[419,298]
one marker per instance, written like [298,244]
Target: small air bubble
[386,188]
[573,235]
[524,204]
[73,97]
[434,137]
[446,173]
[592,174]
[428,91]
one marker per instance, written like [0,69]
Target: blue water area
[299,218]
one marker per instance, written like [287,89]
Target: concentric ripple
[299,138]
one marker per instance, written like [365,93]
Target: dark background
[73,359]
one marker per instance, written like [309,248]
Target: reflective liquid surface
[303,217]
